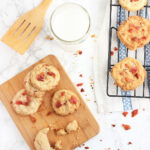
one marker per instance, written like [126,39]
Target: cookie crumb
[72,126]
[113,125]
[93,35]
[32,118]
[129,143]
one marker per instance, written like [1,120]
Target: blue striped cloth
[121,16]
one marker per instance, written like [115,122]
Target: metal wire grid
[140,93]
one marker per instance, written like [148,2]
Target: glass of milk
[70,23]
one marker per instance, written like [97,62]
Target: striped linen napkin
[104,102]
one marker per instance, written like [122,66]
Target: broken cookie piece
[72,126]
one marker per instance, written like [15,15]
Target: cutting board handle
[45,4]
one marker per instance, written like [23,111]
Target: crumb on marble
[126,127]
[125,114]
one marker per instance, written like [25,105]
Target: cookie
[32,91]
[65,102]
[45,77]
[58,145]
[134,32]
[128,74]
[72,126]
[24,104]
[133,5]
[41,140]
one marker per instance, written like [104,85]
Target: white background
[12,63]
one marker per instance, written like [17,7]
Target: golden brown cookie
[32,91]
[134,32]
[128,74]
[24,104]
[133,5]
[45,77]
[65,102]
[41,141]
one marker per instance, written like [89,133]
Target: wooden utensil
[24,31]
[88,127]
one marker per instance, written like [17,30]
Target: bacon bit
[62,93]
[130,30]
[128,80]
[93,35]
[73,100]
[111,53]
[28,99]
[122,73]
[26,103]
[134,112]
[137,27]
[86,147]
[129,143]
[32,118]
[115,49]
[48,113]
[125,114]
[113,125]
[49,38]
[137,75]
[134,39]
[51,74]
[80,52]
[24,93]
[58,104]
[82,90]
[19,102]
[11,102]
[79,84]
[126,65]
[143,38]
[134,0]
[134,70]
[81,75]
[126,127]
[41,76]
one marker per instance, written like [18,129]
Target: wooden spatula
[24,31]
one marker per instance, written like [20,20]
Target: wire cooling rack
[112,90]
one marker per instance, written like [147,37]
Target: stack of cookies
[133,33]
[43,78]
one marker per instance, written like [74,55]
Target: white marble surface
[12,63]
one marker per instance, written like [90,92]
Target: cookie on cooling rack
[65,102]
[32,91]
[128,74]
[24,104]
[134,32]
[44,77]
[133,5]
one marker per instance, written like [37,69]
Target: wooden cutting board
[88,125]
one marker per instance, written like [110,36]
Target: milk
[70,22]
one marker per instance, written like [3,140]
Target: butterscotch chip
[44,77]
[24,104]
[133,5]
[32,91]
[134,32]
[65,102]
[41,140]
[128,74]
